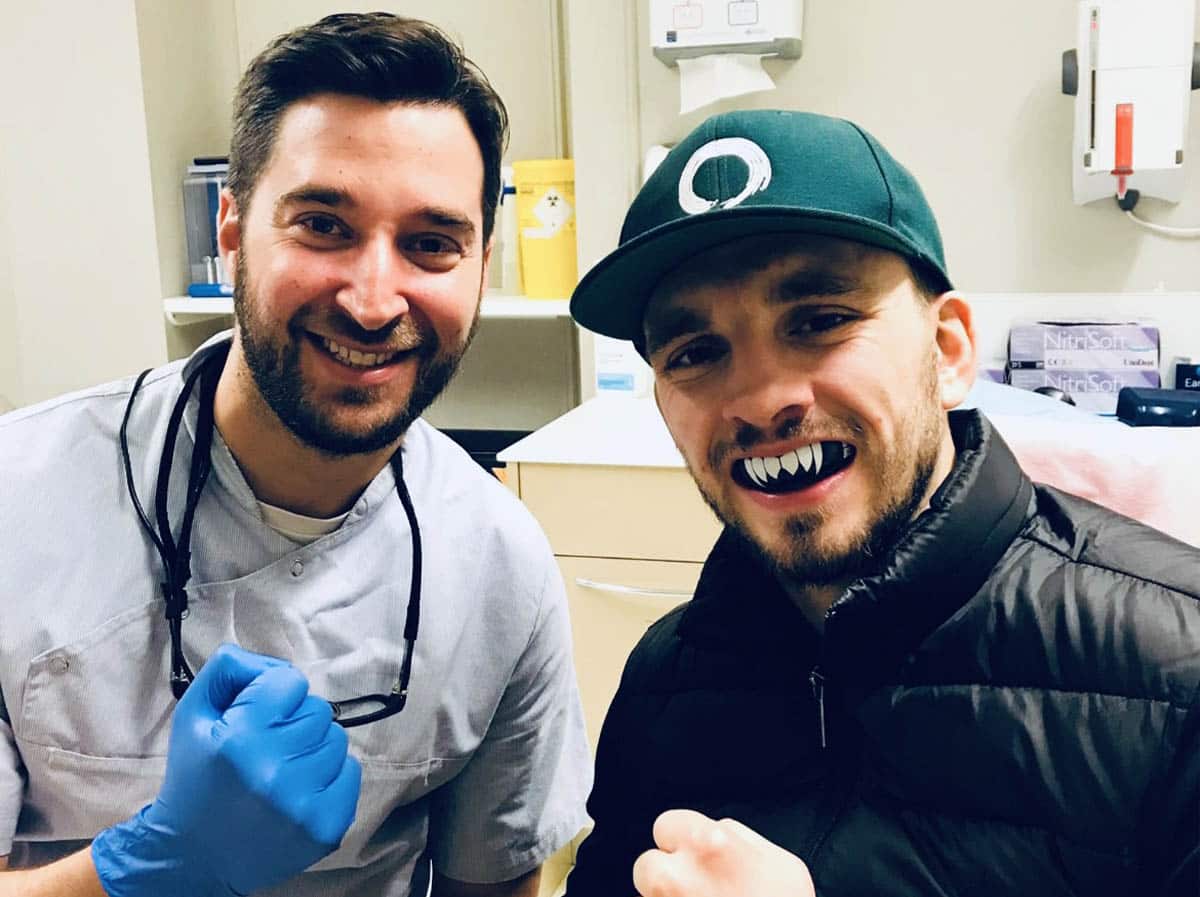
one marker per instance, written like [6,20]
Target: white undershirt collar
[298,527]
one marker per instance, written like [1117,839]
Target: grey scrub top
[484,773]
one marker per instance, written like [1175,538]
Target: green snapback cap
[756,172]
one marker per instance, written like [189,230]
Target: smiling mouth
[794,470]
[353,358]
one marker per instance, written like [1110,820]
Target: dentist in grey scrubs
[262,630]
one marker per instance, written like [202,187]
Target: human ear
[229,233]
[955,347]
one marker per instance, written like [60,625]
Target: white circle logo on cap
[748,151]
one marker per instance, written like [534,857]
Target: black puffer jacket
[1010,708]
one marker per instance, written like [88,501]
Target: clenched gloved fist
[258,787]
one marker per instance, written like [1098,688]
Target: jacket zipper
[817,681]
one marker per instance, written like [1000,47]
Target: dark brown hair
[928,282]
[378,56]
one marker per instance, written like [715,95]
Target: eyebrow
[314,193]
[335,197]
[663,325]
[813,284]
[449,219]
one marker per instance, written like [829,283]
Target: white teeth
[790,462]
[748,467]
[760,469]
[354,357]
[773,466]
[845,450]
[804,453]
[816,454]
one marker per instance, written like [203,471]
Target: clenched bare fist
[702,857]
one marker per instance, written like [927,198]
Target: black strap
[413,615]
[125,456]
[176,554]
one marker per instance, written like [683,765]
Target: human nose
[374,294]
[764,391]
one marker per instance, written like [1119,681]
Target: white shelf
[498,305]
[189,309]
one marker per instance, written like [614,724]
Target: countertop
[622,430]
[605,430]
[1147,473]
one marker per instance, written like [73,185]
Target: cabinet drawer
[651,513]
[613,603]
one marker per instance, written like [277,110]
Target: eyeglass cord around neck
[176,554]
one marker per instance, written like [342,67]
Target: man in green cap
[905,664]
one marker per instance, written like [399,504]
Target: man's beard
[274,364]
[903,480]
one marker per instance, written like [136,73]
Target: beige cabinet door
[613,603]
[647,513]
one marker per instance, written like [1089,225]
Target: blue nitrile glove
[258,788]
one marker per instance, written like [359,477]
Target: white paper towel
[706,79]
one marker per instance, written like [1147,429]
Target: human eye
[325,227]
[820,321]
[435,251]
[693,356]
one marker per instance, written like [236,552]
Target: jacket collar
[942,559]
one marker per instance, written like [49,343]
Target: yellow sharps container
[546,223]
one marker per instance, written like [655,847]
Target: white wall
[10,372]
[188,51]
[514,42]
[79,249]
[969,98]
[188,54]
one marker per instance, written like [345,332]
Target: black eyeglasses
[176,555]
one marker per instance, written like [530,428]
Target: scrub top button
[361,507]
[297,568]
[59,664]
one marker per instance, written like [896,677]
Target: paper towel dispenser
[684,29]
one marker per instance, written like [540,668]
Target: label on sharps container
[1083,346]
[1092,390]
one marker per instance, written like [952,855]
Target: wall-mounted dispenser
[1131,73]
[684,29]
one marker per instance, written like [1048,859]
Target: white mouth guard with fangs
[795,469]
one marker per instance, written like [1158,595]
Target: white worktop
[621,430]
[607,430]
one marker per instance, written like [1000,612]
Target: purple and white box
[1092,390]
[1084,346]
